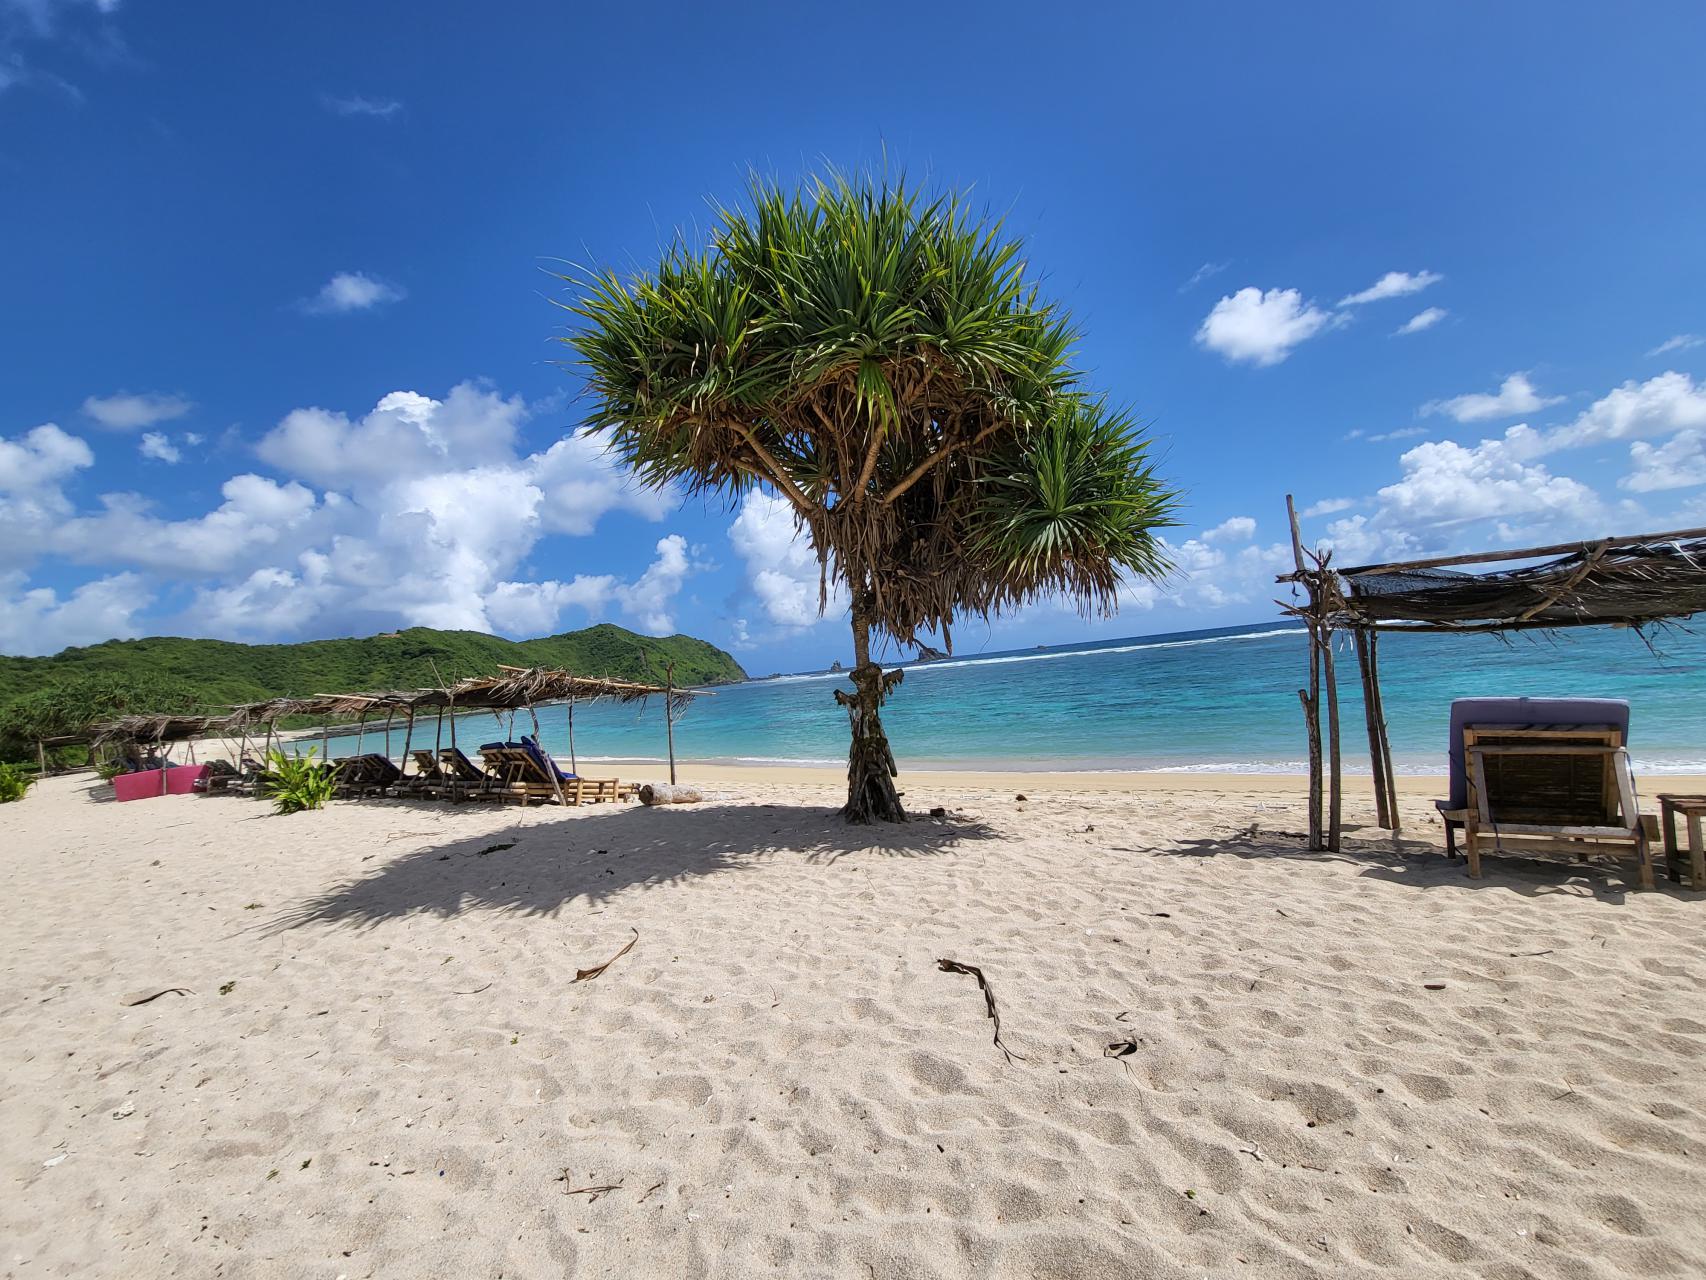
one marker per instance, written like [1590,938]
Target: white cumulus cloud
[1681,342]
[40,621]
[1421,320]
[1678,463]
[351,291]
[1446,482]
[781,567]
[1516,396]
[1232,529]
[156,445]
[1659,406]
[1394,284]
[127,412]
[1259,327]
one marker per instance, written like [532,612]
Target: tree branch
[917,473]
[772,470]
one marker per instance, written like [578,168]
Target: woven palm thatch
[153,728]
[1614,581]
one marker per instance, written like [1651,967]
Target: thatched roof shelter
[1618,581]
[1633,581]
[154,728]
[512,688]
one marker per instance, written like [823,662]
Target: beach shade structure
[145,742]
[1639,580]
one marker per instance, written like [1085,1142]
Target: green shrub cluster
[298,782]
[14,782]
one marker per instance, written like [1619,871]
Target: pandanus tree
[881,361]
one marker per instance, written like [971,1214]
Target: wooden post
[1335,785]
[360,732]
[556,782]
[388,717]
[1310,697]
[408,740]
[669,715]
[574,768]
[41,757]
[1371,714]
[1385,730]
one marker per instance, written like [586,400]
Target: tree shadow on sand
[591,855]
[1423,864]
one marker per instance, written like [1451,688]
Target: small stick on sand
[587,975]
[954,966]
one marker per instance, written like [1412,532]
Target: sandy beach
[1228,1056]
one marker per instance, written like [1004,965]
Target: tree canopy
[880,359]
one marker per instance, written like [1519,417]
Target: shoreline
[1428,786]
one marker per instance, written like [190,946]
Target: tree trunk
[871,794]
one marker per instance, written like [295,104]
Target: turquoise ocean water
[1204,700]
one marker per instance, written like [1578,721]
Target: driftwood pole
[1371,714]
[41,757]
[360,732]
[408,741]
[1335,799]
[388,717]
[550,760]
[573,766]
[1385,731]
[1310,697]
[669,715]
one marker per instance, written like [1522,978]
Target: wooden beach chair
[1543,775]
[526,773]
[427,780]
[366,775]
[462,778]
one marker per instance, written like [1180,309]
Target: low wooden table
[1692,809]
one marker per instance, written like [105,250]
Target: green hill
[221,672]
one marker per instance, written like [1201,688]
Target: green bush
[13,783]
[297,782]
[109,769]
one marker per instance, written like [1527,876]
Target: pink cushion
[179,781]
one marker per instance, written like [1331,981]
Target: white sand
[383,1068]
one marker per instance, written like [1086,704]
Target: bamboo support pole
[669,716]
[1371,716]
[556,782]
[1310,697]
[1385,731]
[1335,783]
[408,741]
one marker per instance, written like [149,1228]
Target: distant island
[222,672]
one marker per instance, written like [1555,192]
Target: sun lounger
[1543,775]
[366,775]
[463,779]
[525,772]
[427,779]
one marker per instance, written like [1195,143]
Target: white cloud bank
[39,620]
[421,512]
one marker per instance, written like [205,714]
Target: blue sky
[277,349]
